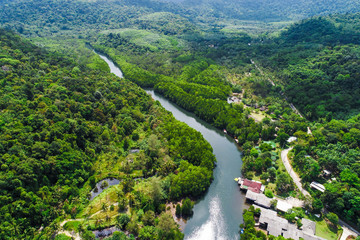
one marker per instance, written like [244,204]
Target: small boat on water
[225,131]
[236,140]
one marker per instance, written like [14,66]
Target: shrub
[269,193]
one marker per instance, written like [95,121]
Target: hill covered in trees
[63,123]
[64,127]
[315,61]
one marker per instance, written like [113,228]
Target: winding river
[218,214]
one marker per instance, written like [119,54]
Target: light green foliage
[333,218]
[62,237]
[269,193]
[284,183]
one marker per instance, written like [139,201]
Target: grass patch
[144,38]
[325,231]
[72,225]
[108,196]
[62,237]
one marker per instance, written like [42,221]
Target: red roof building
[251,185]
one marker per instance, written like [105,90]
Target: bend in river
[218,214]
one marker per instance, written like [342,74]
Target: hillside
[269,11]
[315,61]
[64,127]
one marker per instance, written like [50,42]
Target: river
[218,214]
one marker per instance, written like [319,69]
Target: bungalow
[251,185]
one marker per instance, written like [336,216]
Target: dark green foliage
[333,218]
[58,118]
[178,210]
[186,208]
[284,183]
[317,205]
[190,181]
[122,220]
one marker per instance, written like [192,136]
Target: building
[276,226]
[327,173]
[258,199]
[317,186]
[251,185]
[283,206]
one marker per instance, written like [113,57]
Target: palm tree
[107,218]
[131,198]
[104,206]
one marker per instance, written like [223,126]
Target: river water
[219,213]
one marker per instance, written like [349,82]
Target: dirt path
[261,72]
[272,83]
[291,171]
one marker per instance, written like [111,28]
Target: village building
[277,226]
[251,185]
[283,206]
[317,186]
[258,199]
[327,173]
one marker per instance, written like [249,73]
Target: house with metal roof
[251,185]
[276,226]
[258,199]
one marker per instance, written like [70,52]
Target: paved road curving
[291,171]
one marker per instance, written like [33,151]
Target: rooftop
[283,206]
[251,185]
[259,199]
[318,186]
[277,226]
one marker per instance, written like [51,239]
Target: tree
[317,205]
[248,217]
[186,208]
[122,220]
[119,236]
[283,183]
[269,193]
[88,235]
[149,218]
[333,218]
[178,210]
[282,139]
[156,190]
[166,225]
[148,233]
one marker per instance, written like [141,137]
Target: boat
[225,131]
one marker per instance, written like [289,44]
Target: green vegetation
[66,123]
[65,126]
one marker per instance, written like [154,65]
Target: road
[291,171]
[347,229]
